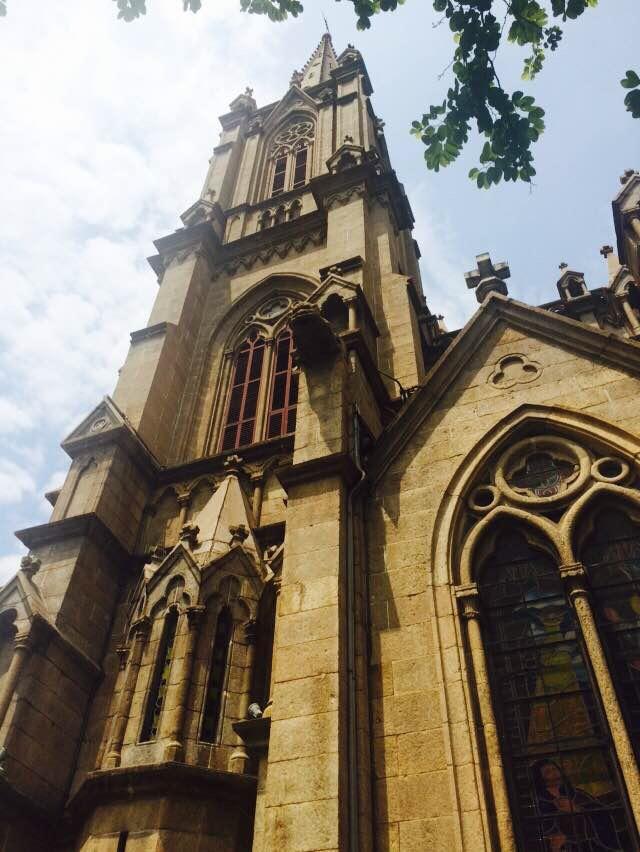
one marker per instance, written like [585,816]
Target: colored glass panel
[284,389]
[217,676]
[160,682]
[558,760]
[244,392]
[612,559]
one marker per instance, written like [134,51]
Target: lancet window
[553,628]
[559,763]
[242,405]
[291,157]
[284,388]
[160,679]
[263,393]
[217,676]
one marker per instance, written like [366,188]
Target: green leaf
[631,80]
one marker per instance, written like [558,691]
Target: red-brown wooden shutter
[240,419]
[284,389]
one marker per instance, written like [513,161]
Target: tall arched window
[284,389]
[291,157]
[242,404]
[564,787]
[612,558]
[217,676]
[160,680]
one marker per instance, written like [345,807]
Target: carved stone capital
[194,615]
[141,627]
[469,599]
[575,579]
[250,628]
[123,655]
[239,534]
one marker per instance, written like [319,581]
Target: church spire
[320,64]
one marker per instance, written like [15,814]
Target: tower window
[217,676]
[160,682]
[243,395]
[279,175]
[300,168]
[284,389]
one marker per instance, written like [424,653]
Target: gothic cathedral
[325,575]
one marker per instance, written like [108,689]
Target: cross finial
[626,176]
[562,266]
[248,92]
[605,251]
[487,277]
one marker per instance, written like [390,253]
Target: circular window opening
[483,497]
[610,469]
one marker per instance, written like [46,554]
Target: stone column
[268,707]
[258,491]
[183,501]
[22,647]
[175,748]
[140,630]
[575,579]
[471,612]
[239,760]
[353,315]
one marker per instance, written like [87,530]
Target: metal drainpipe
[352,724]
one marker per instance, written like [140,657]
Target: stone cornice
[151,331]
[88,525]
[254,453]
[324,467]
[162,779]
[201,236]
[605,346]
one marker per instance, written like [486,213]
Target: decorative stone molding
[514,369]
[30,565]
[339,199]
[264,255]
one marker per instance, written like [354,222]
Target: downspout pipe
[352,716]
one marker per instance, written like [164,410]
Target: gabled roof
[294,99]
[559,330]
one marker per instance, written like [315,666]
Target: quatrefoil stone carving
[513,370]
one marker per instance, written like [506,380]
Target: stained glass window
[542,475]
[242,404]
[284,389]
[612,558]
[558,760]
[160,681]
[217,676]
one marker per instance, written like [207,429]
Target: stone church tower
[324,575]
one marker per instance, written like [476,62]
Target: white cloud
[9,565]
[106,133]
[442,262]
[15,482]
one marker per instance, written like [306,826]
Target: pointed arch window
[217,676]
[562,776]
[242,404]
[160,680]
[284,388]
[291,157]
[612,558]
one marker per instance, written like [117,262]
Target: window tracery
[558,639]
[262,396]
[290,157]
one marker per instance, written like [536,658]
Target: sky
[105,133]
